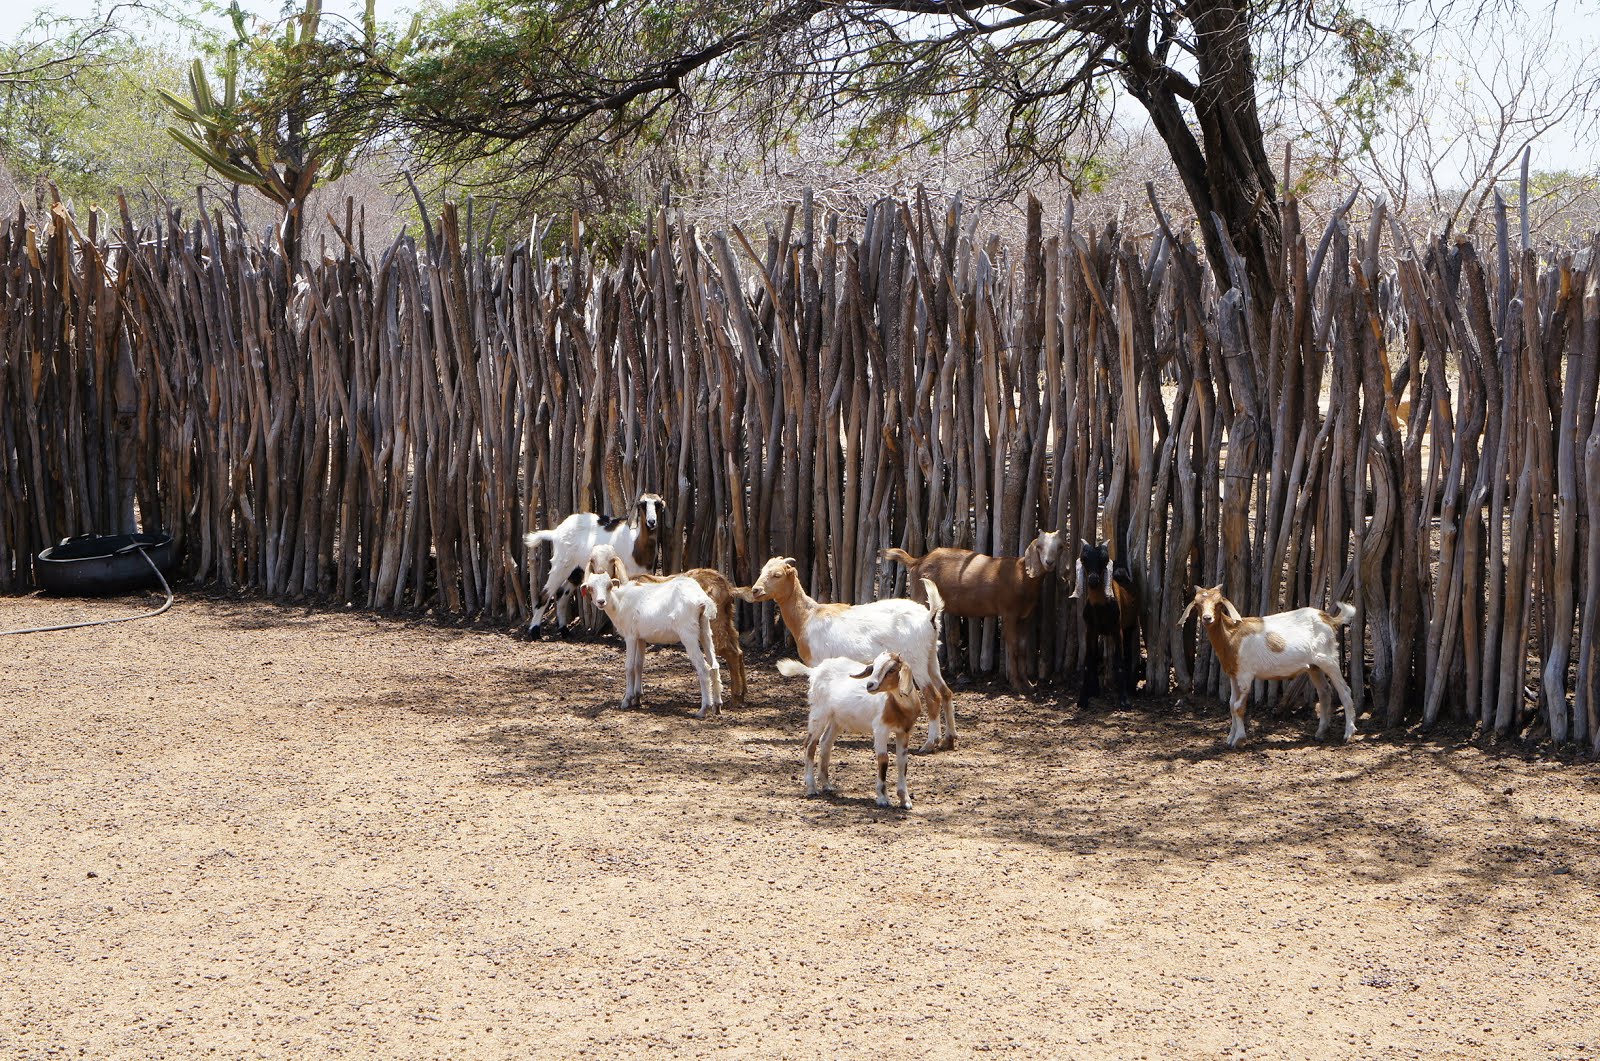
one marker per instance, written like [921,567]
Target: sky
[16,14]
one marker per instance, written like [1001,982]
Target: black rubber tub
[90,565]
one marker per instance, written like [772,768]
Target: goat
[976,585]
[881,702]
[659,613]
[574,538]
[1110,613]
[861,631]
[724,628]
[1283,645]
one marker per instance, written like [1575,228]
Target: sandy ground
[245,831]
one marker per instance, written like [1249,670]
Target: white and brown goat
[861,631]
[1282,645]
[879,700]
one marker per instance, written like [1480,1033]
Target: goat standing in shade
[724,628]
[1110,614]
[574,538]
[1281,645]
[659,614]
[977,585]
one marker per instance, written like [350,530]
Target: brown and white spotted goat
[1282,645]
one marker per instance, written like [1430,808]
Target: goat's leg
[542,604]
[1119,668]
[810,750]
[1324,702]
[633,695]
[902,743]
[934,709]
[728,648]
[947,708]
[1240,699]
[829,732]
[708,642]
[931,709]
[1016,660]
[1339,686]
[938,703]
[702,671]
[1089,682]
[880,753]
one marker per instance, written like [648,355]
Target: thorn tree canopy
[555,78]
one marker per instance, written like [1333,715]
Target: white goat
[659,613]
[574,538]
[1283,645]
[861,631]
[880,701]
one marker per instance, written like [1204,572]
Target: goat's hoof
[533,633]
[948,744]
[905,804]
[882,801]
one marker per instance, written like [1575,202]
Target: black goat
[1110,613]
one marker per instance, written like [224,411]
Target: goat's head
[599,585]
[774,573]
[600,559]
[1042,554]
[1093,564]
[889,670]
[1208,602]
[652,511]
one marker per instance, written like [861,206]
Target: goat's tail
[793,668]
[935,601]
[532,540]
[899,556]
[1346,612]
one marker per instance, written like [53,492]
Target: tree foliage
[277,121]
[561,80]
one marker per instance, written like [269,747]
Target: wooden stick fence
[1419,438]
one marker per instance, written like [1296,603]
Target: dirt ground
[243,830]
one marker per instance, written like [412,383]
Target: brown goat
[724,628]
[976,585]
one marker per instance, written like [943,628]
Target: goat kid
[574,538]
[976,585]
[1282,645]
[659,614]
[861,631]
[1110,615]
[880,701]
[724,628]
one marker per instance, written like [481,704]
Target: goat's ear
[1033,560]
[908,684]
[1233,613]
[1185,616]
[619,573]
